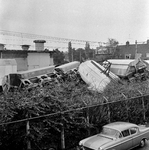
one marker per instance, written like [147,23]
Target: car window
[133,130]
[120,135]
[110,132]
[125,133]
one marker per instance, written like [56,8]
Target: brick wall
[131,49]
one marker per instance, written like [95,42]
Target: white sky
[93,20]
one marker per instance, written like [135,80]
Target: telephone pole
[136,49]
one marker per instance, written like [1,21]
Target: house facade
[129,51]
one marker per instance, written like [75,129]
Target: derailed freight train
[35,77]
[26,78]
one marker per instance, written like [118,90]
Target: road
[145,148]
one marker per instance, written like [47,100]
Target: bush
[89,113]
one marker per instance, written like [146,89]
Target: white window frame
[127,56]
[147,54]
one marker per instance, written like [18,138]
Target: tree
[87,49]
[79,54]
[112,47]
[70,52]
[112,42]
[58,57]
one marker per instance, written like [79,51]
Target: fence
[64,130]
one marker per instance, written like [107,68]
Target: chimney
[147,42]
[127,43]
[39,45]
[2,46]
[25,47]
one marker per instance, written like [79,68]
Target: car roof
[120,126]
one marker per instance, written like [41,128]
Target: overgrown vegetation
[60,99]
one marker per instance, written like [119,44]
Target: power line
[33,36]
[18,37]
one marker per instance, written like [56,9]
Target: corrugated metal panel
[120,61]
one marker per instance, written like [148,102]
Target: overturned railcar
[66,68]
[96,76]
[35,77]
[129,68]
[120,67]
[26,78]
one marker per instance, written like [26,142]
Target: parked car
[117,136]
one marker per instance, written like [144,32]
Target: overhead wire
[10,37]
[34,36]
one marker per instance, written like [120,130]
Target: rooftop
[28,51]
[120,125]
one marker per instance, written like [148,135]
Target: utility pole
[62,133]
[72,54]
[80,55]
[136,49]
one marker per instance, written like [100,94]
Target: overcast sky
[94,20]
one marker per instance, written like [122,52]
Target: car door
[135,136]
[126,140]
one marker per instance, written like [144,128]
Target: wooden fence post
[87,119]
[109,114]
[143,106]
[126,106]
[62,133]
[28,134]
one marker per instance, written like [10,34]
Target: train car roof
[36,72]
[67,67]
[37,69]
[120,61]
[68,64]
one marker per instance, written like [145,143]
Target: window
[125,133]
[127,56]
[147,54]
[110,132]
[133,130]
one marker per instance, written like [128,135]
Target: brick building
[129,51]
